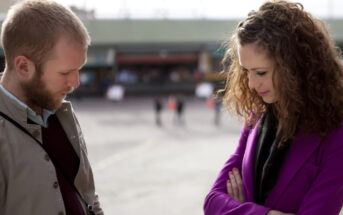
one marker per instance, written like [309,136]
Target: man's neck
[37,110]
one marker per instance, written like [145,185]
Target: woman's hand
[273,212]
[235,186]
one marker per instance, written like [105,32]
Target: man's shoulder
[11,108]
[66,111]
[66,106]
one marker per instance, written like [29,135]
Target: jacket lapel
[247,164]
[68,124]
[301,149]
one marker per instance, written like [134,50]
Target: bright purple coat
[310,181]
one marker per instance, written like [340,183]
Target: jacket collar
[13,109]
[32,115]
[303,146]
[70,125]
[301,149]
[19,113]
[248,163]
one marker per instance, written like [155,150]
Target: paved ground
[143,169]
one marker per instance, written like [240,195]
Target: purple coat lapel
[247,164]
[302,148]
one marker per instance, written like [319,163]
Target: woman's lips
[263,93]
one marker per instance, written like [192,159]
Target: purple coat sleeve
[218,202]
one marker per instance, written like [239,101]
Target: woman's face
[259,69]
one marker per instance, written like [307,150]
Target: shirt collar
[32,115]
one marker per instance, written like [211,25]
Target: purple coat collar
[302,148]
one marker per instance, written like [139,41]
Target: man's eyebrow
[70,70]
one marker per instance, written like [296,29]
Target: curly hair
[307,76]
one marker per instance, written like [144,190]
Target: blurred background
[156,135]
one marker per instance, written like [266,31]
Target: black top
[268,157]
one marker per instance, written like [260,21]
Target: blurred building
[82,13]
[4,6]
[161,56]
[157,56]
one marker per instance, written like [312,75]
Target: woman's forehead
[252,57]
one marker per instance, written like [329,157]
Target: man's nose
[74,80]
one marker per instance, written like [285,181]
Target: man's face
[58,76]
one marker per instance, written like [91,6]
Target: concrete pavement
[141,168]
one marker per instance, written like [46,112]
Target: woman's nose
[252,82]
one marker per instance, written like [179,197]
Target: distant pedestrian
[180,106]
[214,103]
[158,107]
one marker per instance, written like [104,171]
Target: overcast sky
[209,9]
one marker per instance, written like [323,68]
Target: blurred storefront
[150,57]
[144,70]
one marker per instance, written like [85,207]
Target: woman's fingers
[234,186]
[229,188]
[239,184]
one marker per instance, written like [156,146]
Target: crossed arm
[230,195]
[234,188]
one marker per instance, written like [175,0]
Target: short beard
[37,95]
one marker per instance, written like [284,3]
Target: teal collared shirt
[43,121]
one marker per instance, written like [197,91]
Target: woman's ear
[24,67]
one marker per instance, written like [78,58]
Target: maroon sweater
[62,152]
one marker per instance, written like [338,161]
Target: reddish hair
[33,27]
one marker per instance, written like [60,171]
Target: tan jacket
[27,175]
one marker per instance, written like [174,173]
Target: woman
[285,78]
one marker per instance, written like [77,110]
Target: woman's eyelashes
[261,73]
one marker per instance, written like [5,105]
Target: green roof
[159,31]
[174,31]
[117,32]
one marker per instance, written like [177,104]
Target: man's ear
[24,67]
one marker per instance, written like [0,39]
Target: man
[43,159]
